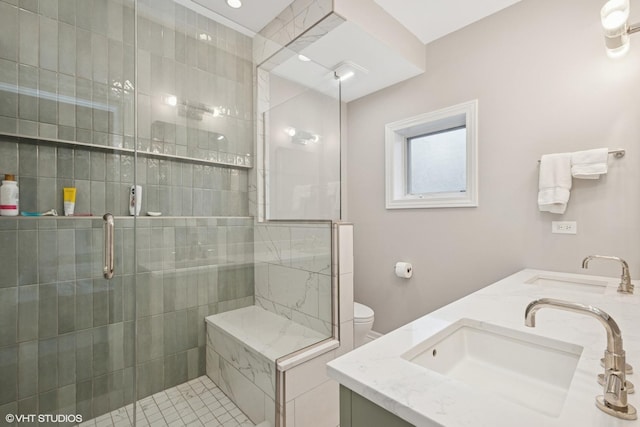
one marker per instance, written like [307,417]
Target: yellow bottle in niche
[9,199]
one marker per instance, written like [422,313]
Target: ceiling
[431,19]
[384,66]
[427,19]
[252,16]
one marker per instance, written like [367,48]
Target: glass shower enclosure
[149,105]
[112,97]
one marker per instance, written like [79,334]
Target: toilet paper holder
[404,270]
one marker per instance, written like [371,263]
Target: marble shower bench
[243,347]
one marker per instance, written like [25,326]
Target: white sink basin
[527,369]
[569,283]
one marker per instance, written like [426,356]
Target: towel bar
[619,153]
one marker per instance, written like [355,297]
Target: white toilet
[362,323]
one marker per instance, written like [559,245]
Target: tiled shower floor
[198,402]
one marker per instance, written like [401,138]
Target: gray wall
[544,85]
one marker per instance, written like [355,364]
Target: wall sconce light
[170,100]
[301,137]
[615,21]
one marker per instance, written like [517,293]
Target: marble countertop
[426,398]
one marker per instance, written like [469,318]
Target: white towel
[589,164]
[554,183]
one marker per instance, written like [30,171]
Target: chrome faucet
[625,280]
[614,399]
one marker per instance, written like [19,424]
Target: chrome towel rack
[618,153]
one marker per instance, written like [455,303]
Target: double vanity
[529,350]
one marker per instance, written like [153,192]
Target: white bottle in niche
[9,196]
[135,200]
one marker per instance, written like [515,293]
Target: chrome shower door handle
[109,228]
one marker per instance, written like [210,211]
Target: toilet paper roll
[404,270]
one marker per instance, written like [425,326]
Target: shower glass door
[194,236]
[67,101]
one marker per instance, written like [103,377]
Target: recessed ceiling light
[234,3]
[303,58]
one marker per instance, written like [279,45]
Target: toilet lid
[362,312]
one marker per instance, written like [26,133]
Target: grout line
[177,405]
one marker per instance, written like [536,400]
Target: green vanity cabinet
[356,411]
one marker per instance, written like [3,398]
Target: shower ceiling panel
[253,15]
[349,43]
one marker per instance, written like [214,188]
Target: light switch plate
[564,227]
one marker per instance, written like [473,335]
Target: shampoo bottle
[9,196]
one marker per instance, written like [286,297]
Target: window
[437,162]
[431,159]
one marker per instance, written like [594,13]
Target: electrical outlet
[564,227]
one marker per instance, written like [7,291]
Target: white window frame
[396,167]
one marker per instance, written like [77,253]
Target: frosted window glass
[438,162]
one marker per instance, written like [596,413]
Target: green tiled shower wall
[102,181]
[67,73]
[67,334]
